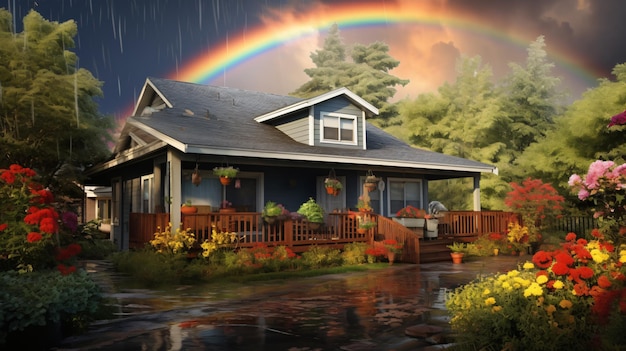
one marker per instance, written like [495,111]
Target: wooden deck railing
[473,223]
[338,230]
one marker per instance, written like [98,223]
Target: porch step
[434,250]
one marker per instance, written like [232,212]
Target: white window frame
[419,182]
[339,116]
[150,179]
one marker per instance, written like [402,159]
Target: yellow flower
[486,292]
[507,286]
[513,273]
[496,308]
[550,309]
[565,304]
[558,284]
[533,290]
[490,301]
[622,256]
[542,279]
[599,256]
[528,265]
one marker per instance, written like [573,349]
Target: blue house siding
[341,105]
[296,126]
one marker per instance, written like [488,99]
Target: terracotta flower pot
[457,257]
[225,180]
[188,209]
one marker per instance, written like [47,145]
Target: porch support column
[175,185]
[476,192]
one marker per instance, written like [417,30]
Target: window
[146,193]
[404,192]
[338,128]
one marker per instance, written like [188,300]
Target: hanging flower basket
[195,176]
[226,174]
[371,181]
[225,180]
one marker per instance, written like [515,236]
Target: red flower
[585,272]
[48,225]
[3,226]
[560,268]
[33,237]
[581,289]
[542,259]
[604,282]
[8,177]
[564,258]
[570,237]
[66,270]
[596,233]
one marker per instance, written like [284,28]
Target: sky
[265,45]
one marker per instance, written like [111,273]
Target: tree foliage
[367,74]
[580,135]
[49,120]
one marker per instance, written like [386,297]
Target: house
[284,147]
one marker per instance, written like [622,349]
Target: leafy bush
[319,256]
[354,253]
[150,268]
[43,297]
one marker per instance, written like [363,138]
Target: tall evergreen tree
[531,98]
[48,117]
[367,75]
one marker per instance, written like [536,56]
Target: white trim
[143,91]
[137,139]
[316,100]
[364,131]
[339,116]
[312,125]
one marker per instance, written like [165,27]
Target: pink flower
[597,170]
[574,180]
[618,119]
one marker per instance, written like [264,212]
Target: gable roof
[203,119]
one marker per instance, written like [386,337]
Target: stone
[423,331]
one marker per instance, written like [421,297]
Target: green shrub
[354,253]
[96,249]
[150,268]
[319,256]
[44,297]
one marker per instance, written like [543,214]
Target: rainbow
[263,38]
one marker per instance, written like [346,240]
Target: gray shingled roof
[205,118]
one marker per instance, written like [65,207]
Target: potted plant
[333,186]
[393,248]
[271,211]
[458,251]
[362,205]
[226,174]
[227,207]
[371,181]
[365,224]
[411,216]
[312,212]
[188,208]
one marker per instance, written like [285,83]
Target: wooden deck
[339,229]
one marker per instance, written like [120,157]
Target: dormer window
[338,128]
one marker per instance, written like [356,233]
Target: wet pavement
[353,311]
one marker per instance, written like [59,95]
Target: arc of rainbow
[255,41]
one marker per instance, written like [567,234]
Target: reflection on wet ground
[354,311]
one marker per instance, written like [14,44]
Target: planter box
[411,222]
[431,224]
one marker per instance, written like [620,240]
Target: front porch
[340,228]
